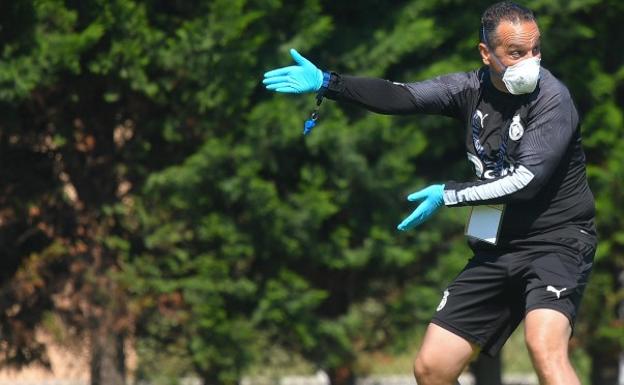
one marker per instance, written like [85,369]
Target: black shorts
[492,294]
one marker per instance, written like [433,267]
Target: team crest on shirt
[516,130]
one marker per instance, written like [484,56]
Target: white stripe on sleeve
[506,185]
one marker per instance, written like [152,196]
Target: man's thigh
[547,332]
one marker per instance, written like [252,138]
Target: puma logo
[558,292]
[481,117]
[443,302]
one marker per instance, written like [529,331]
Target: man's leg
[442,357]
[547,333]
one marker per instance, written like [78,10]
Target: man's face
[515,42]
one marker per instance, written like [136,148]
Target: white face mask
[522,77]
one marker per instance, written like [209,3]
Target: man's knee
[426,370]
[429,372]
[442,356]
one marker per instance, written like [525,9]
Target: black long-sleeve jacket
[525,149]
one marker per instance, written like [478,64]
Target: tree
[487,370]
[73,82]
[302,231]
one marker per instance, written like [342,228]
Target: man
[532,223]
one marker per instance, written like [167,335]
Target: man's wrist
[446,201]
[326,78]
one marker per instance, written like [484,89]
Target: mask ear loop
[485,40]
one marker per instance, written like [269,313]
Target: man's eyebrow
[521,46]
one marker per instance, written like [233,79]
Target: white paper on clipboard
[484,222]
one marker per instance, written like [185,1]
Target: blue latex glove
[432,198]
[297,79]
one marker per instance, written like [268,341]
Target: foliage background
[151,188]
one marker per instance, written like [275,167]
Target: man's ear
[485,53]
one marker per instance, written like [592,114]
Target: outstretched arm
[441,95]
